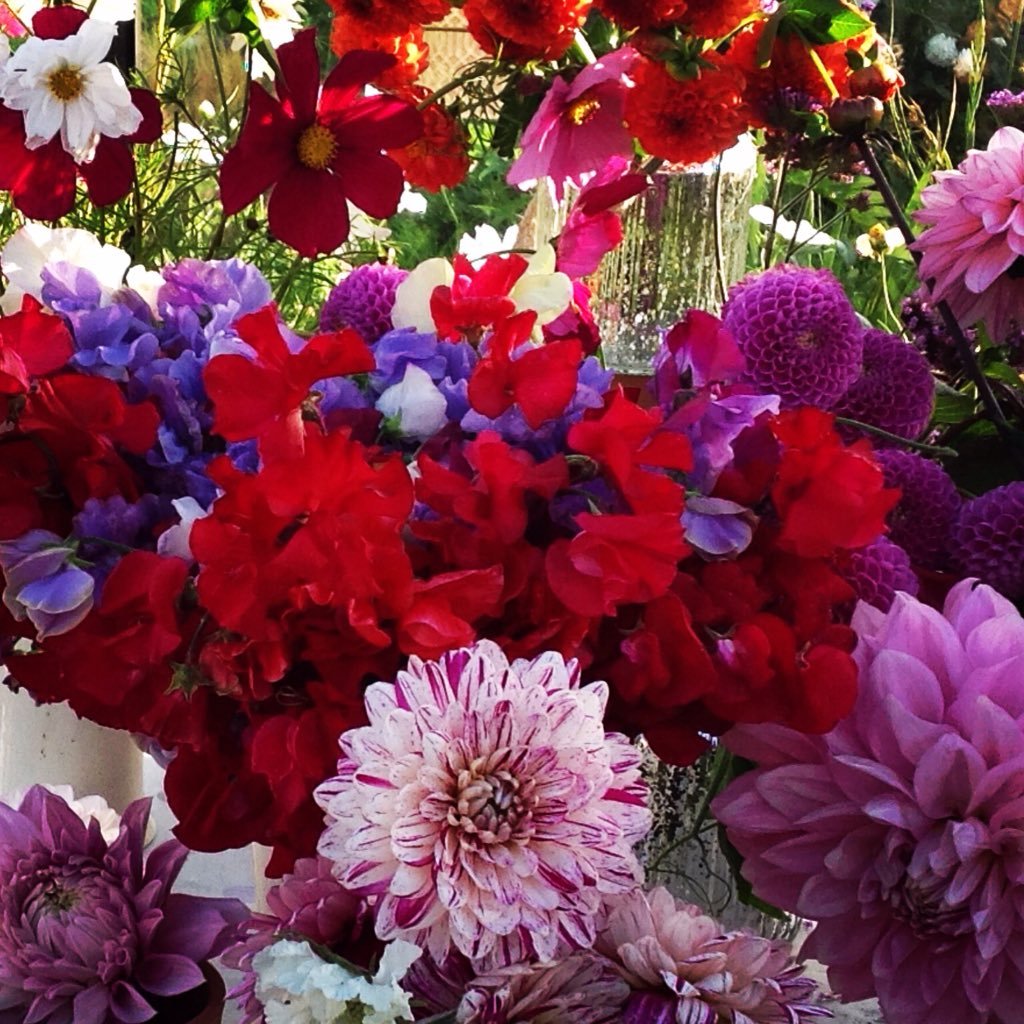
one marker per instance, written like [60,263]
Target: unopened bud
[850,117]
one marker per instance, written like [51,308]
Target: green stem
[918,446]
[582,48]
[780,181]
[1011,60]
[221,91]
[286,282]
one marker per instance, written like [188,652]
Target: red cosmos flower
[42,181]
[828,496]
[541,379]
[249,396]
[440,159]
[686,121]
[318,149]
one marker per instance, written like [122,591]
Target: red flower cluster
[642,13]
[686,120]
[439,158]
[522,30]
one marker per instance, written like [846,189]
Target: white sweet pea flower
[878,241]
[174,541]
[485,241]
[66,88]
[34,246]
[296,986]
[412,299]
[417,404]
[278,20]
[543,289]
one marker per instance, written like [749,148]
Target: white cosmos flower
[65,88]
[278,20]
[802,232]
[485,241]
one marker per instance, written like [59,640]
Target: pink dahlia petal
[917,885]
[974,239]
[509,810]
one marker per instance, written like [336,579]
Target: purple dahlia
[89,931]
[922,520]
[877,571]
[895,390]
[363,300]
[988,539]
[798,333]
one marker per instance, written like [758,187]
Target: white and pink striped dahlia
[485,807]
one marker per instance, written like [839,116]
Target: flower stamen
[317,146]
[66,83]
[583,109]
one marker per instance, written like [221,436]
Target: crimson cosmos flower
[318,148]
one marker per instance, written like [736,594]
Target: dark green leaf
[194,12]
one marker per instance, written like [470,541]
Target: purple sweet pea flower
[579,126]
[718,527]
[41,584]
[398,349]
[89,931]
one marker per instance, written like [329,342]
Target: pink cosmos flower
[901,832]
[594,227]
[579,126]
[682,969]
[485,807]
[974,245]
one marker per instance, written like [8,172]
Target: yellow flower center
[66,83]
[317,146]
[583,109]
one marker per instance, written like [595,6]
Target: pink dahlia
[682,969]
[972,249]
[485,807]
[901,831]
[581,989]
[579,126]
[90,931]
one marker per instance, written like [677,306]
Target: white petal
[91,43]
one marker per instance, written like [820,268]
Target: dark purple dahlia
[922,520]
[876,571]
[363,300]
[798,332]
[895,390]
[89,931]
[988,539]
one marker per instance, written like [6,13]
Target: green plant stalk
[965,351]
[218,74]
[1011,59]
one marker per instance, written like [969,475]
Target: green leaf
[194,12]
[951,406]
[820,22]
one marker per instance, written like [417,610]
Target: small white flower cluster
[296,986]
[66,88]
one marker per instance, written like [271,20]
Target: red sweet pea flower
[42,181]
[32,344]
[477,299]
[541,380]
[318,149]
[249,396]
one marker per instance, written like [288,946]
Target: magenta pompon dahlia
[901,831]
[895,390]
[485,807]
[89,931]
[971,250]
[877,571]
[798,333]
[363,300]
[988,539]
[682,967]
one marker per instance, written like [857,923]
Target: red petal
[308,211]
[544,380]
[58,22]
[349,76]
[15,158]
[40,339]
[375,122]
[152,117]
[46,191]
[299,82]
[372,181]
[110,173]
[263,154]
